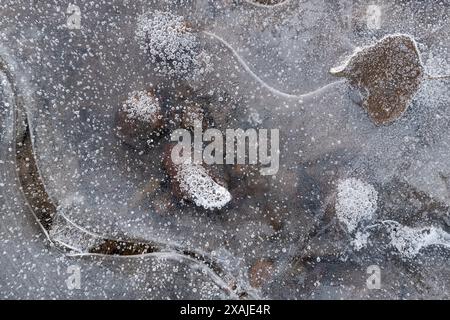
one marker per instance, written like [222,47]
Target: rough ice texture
[172,45]
[356,201]
[289,48]
[142,105]
[409,241]
[200,187]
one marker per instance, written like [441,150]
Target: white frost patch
[356,201]
[198,185]
[409,241]
[142,105]
[172,45]
[360,240]
[338,69]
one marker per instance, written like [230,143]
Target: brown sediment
[274,215]
[28,175]
[187,115]
[244,180]
[387,74]
[191,114]
[171,171]
[260,272]
[122,248]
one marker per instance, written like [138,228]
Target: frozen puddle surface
[363,175]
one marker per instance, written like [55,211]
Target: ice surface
[278,237]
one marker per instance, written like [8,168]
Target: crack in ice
[267,6]
[8,67]
[7,70]
[263,83]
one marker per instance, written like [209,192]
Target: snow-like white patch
[360,240]
[355,201]
[173,47]
[199,186]
[409,241]
[142,105]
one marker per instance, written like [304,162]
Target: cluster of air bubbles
[142,105]
[356,201]
[172,45]
[200,187]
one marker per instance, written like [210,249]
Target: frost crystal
[198,185]
[409,241]
[142,105]
[356,201]
[172,45]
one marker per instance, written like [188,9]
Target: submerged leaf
[387,74]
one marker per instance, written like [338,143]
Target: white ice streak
[267,6]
